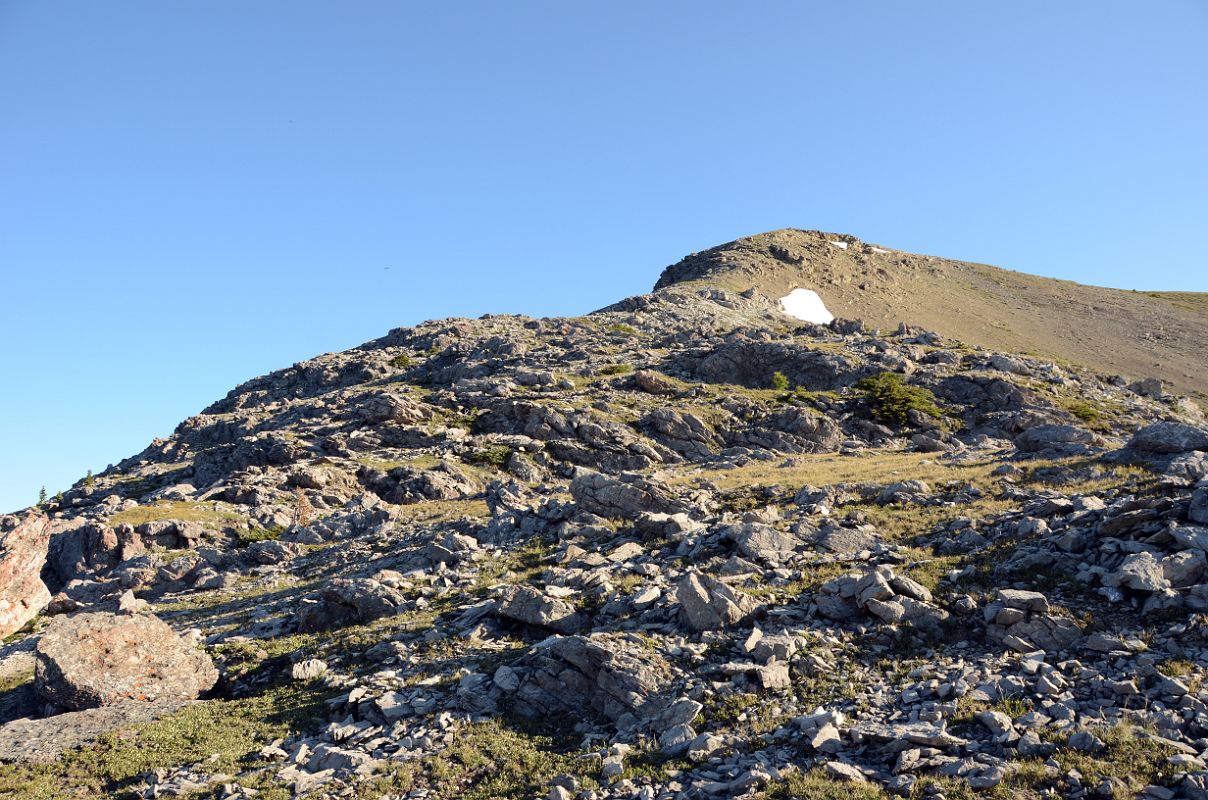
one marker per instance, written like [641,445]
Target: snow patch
[805,304]
[840,245]
[879,250]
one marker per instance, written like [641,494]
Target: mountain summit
[773,530]
[1140,334]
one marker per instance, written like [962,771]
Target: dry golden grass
[830,469]
[205,513]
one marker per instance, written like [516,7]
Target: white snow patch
[879,250]
[807,305]
[840,245]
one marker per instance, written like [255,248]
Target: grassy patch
[232,730]
[829,470]
[616,369]
[1130,757]
[491,760]
[204,513]
[385,465]
[817,785]
[253,535]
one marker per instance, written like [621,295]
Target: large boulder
[346,601]
[23,542]
[1060,438]
[102,659]
[624,496]
[1169,437]
[529,606]
[611,676]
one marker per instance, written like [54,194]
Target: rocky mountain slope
[683,547]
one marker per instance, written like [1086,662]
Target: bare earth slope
[1137,334]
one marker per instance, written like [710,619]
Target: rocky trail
[684,547]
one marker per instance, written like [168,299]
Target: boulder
[708,604]
[348,601]
[102,659]
[762,542]
[622,497]
[1198,509]
[1169,437]
[1053,437]
[528,605]
[23,543]
[655,382]
[587,676]
[1140,572]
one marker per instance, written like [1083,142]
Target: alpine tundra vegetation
[688,546]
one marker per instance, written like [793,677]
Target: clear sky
[193,193]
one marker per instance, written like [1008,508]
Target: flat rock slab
[40,741]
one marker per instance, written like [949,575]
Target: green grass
[1129,757]
[232,730]
[616,369]
[253,535]
[491,761]
[817,785]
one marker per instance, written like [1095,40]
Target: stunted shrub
[891,399]
[495,455]
[780,381]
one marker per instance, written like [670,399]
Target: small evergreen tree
[42,496]
[780,381]
[89,479]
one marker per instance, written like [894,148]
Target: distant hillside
[1136,334]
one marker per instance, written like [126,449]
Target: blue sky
[197,192]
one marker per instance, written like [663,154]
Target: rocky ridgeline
[610,543]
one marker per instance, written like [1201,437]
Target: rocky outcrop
[23,542]
[1165,438]
[624,496]
[102,659]
[588,675]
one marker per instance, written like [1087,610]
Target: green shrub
[89,479]
[1084,411]
[891,399]
[253,535]
[495,455]
[615,369]
[621,327]
[401,361]
[780,381]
